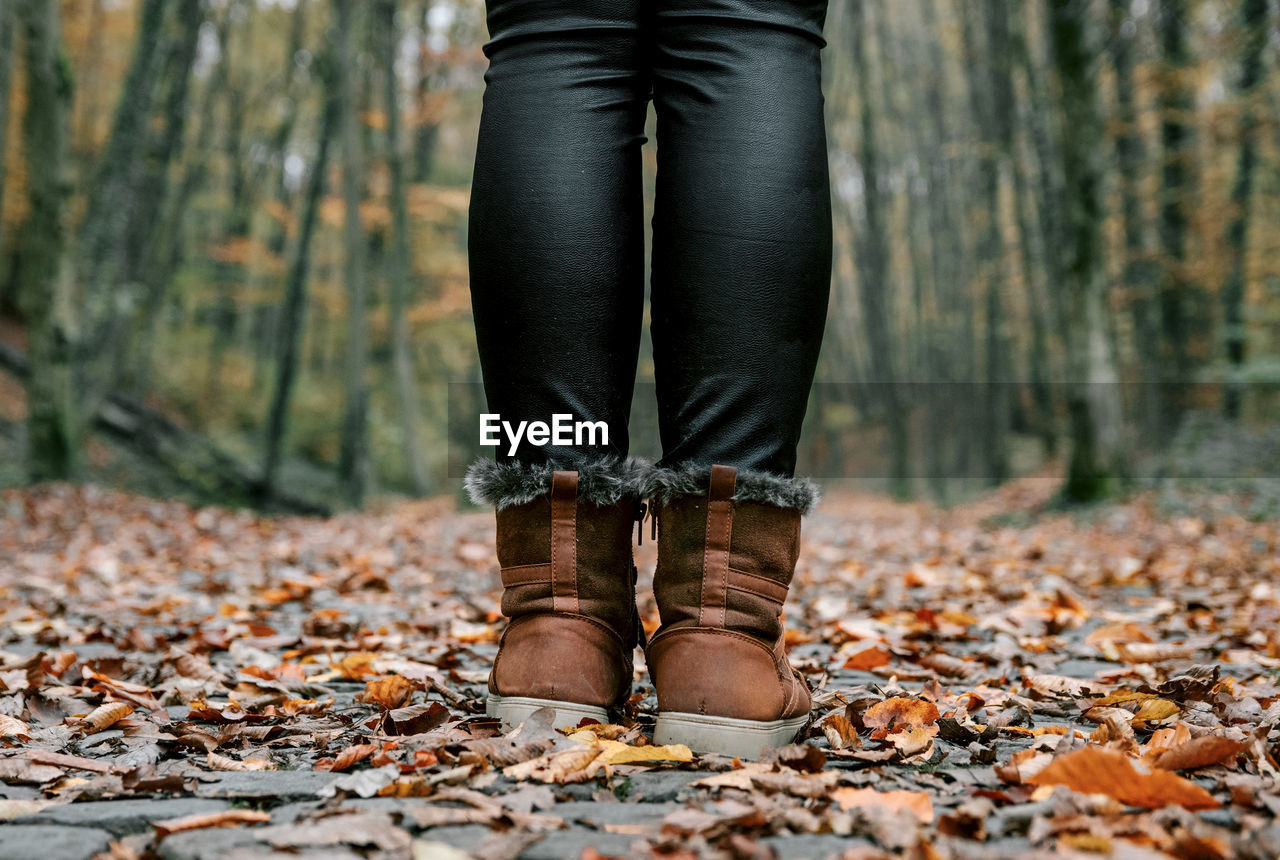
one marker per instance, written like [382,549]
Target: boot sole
[727,736]
[514,710]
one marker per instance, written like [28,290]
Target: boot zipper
[640,515]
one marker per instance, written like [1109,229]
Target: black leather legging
[741,262]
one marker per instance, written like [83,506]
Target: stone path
[1004,639]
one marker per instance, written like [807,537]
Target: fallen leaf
[868,659]
[350,756]
[1094,770]
[1200,752]
[226,818]
[917,802]
[900,713]
[14,728]
[221,762]
[390,692]
[105,716]
[620,753]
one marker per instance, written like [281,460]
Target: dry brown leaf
[868,659]
[1022,765]
[350,756]
[221,762]
[1118,632]
[1200,752]
[840,733]
[389,693]
[14,728]
[914,743]
[917,802]
[226,818]
[562,766]
[1149,652]
[1094,770]
[23,772]
[105,716]
[900,713]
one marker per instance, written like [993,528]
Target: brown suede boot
[725,562]
[568,587]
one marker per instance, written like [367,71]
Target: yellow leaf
[616,752]
[1154,710]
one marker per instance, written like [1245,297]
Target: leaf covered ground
[990,681]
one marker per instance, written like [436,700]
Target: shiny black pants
[741,258]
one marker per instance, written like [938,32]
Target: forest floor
[993,680]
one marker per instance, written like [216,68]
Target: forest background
[233,246]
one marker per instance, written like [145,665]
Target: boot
[726,556]
[564,549]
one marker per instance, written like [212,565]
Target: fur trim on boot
[601,482]
[687,478]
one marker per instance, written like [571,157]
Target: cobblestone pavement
[183,683]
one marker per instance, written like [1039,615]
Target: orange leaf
[356,666]
[900,713]
[348,757]
[917,802]
[1093,770]
[1200,752]
[868,659]
[390,692]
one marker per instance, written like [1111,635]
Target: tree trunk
[239,213]
[875,275]
[427,130]
[293,312]
[54,429]
[1139,242]
[990,419]
[114,195]
[166,253]
[400,269]
[1184,309]
[1253,25]
[1097,453]
[353,466]
[1001,27]
[6,76]
[148,236]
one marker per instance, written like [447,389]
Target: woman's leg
[741,273]
[556,241]
[741,227]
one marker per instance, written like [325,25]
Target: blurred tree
[400,267]
[353,464]
[1253,39]
[1097,453]
[989,420]
[293,311]
[874,273]
[1184,312]
[53,419]
[115,193]
[1139,275]
[6,75]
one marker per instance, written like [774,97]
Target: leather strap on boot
[714,605]
[564,542]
